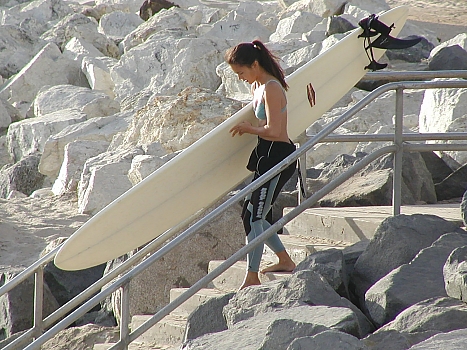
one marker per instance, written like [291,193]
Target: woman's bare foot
[251,279]
[285,264]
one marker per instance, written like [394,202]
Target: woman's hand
[241,128]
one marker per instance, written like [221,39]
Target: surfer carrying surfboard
[255,64]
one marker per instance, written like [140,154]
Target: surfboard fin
[390,43]
[372,26]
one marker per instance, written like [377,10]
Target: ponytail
[245,54]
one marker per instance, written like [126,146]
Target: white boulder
[92,130]
[236,28]
[80,26]
[130,6]
[30,135]
[295,25]
[231,86]
[178,121]
[48,67]
[91,102]
[77,48]
[74,156]
[19,47]
[173,18]
[167,66]
[39,11]
[104,178]
[116,25]
[321,8]
[97,72]
[142,166]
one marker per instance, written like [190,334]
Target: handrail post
[398,155]
[125,315]
[38,301]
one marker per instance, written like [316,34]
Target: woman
[255,64]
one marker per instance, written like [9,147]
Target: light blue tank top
[258,101]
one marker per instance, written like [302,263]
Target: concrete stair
[314,230]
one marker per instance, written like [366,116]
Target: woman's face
[245,73]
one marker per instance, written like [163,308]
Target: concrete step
[170,330]
[192,303]
[138,346]
[300,246]
[232,278]
[354,224]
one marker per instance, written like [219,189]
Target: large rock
[59,97]
[449,58]
[104,178]
[304,287]
[455,274]
[397,241]
[443,110]
[22,176]
[116,25]
[178,121]
[276,330]
[47,67]
[293,26]
[236,28]
[167,65]
[331,339]
[373,185]
[30,135]
[454,340]
[330,264]
[95,129]
[97,72]
[453,186]
[207,317]
[420,279]
[19,49]
[418,323]
[173,19]
[17,306]
[82,338]
[75,155]
[459,40]
[437,167]
[36,14]
[464,208]
[80,26]
[8,114]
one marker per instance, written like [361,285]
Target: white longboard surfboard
[215,164]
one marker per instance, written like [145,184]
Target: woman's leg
[254,215]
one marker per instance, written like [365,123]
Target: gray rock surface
[455,274]
[276,330]
[420,279]
[396,241]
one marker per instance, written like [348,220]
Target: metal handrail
[124,280]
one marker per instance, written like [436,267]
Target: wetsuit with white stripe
[257,209]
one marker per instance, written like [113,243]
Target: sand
[27,225]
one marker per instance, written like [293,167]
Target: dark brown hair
[245,54]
